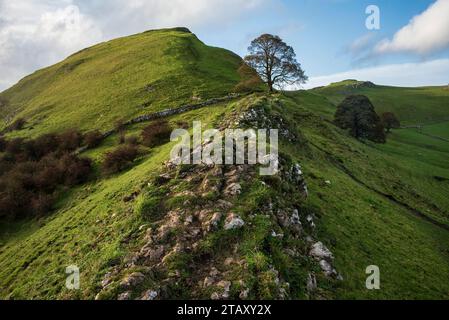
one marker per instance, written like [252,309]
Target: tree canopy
[390,121]
[275,62]
[357,114]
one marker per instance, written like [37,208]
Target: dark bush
[17,125]
[42,203]
[119,159]
[42,146]
[70,140]
[132,140]
[156,134]
[120,127]
[3,144]
[15,146]
[357,114]
[14,199]
[250,80]
[75,170]
[390,121]
[93,139]
[33,171]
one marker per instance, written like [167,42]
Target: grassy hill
[413,106]
[122,78]
[383,205]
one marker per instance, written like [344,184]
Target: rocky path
[171,254]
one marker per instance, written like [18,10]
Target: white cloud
[118,17]
[425,34]
[434,72]
[37,33]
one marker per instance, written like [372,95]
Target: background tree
[390,121]
[275,62]
[357,114]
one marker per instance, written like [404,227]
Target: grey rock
[149,295]
[234,222]
[327,268]
[311,283]
[132,280]
[124,296]
[320,252]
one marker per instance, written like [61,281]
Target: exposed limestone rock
[327,268]
[124,296]
[153,254]
[149,295]
[309,219]
[244,294]
[311,283]
[258,117]
[320,252]
[132,280]
[224,205]
[283,219]
[233,189]
[213,223]
[226,288]
[233,221]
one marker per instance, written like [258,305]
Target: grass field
[366,228]
[383,205]
[123,78]
[413,106]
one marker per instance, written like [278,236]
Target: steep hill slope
[118,79]
[157,231]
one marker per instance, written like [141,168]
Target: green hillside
[122,78]
[413,106]
[154,228]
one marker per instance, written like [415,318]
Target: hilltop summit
[121,78]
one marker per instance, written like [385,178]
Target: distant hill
[414,106]
[154,230]
[121,78]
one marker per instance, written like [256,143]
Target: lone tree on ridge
[275,62]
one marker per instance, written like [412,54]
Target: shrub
[15,146]
[93,139]
[75,170]
[17,125]
[13,199]
[70,140]
[390,121]
[156,134]
[132,140]
[119,159]
[42,146]
[31,172]
[48,177]
[120,127]
[3,144]
[250,80]
[42,203]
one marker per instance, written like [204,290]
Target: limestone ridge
[173,249]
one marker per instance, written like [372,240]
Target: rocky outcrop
[157,266]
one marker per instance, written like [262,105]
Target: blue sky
[329,36]
[322,31]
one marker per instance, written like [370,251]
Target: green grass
[439,130]
[364,228]
[93,227]
[413,106]
[122,78]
